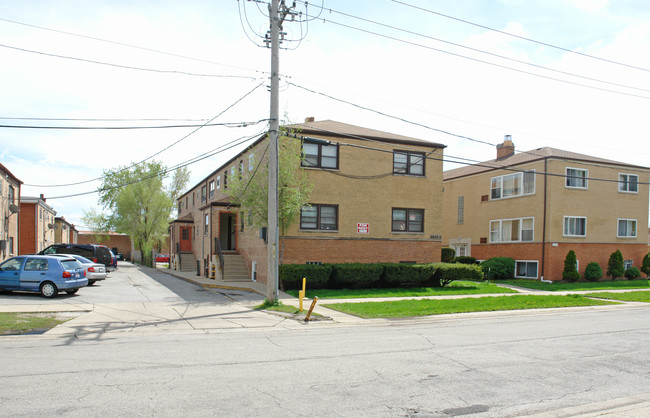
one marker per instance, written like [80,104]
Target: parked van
[97,253]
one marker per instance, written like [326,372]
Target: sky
[568,74]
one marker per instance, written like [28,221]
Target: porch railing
[217,246]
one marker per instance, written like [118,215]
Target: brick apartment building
[537,205]
[36,225]
[377,197]
[9,213]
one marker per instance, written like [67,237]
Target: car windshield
[71,264]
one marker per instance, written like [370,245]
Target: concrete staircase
[234,268]
[188,262]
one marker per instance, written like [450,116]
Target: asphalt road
[555,363]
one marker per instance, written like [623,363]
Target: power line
[486,52]
[522,37]
[162,150]
[128,67]
[102,119]
[226,124]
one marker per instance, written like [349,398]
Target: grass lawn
[411,308]
[21,323]
[641,296]
[607,285]
[454,288]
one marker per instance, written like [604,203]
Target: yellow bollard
[213,274]
[301,293]
[313,305]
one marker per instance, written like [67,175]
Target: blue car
[45,274]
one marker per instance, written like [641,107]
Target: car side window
[12,265]
[36,264]
[50,250]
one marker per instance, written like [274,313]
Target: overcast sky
[413,67]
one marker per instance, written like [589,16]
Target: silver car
[94,271]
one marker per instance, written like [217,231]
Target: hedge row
[366,276]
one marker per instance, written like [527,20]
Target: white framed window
[576,178]
[251,162]
[575,226]
[626,228]
[628,183]
[513,185]
[526,269]
[218,182]
[627,264]
[461,209]
[512,230]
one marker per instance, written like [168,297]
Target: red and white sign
[363,228]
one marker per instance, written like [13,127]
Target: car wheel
[71,291]
[49,290]
[91,282]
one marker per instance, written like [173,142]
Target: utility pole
[278,11]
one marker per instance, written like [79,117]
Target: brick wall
[122,242]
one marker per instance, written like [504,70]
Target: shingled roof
[340,129]
[527,157]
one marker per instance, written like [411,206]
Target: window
[511,230]
[408,220]
[203,194]
[211,191]
[225,180]
[180,206]
[251,162]
[626,228]
[408,163]
[461,209]
[576,178]
[187,206]
[324,217]
[512,185]
[193,198]
[11,245]
[627,264]
[320,155]
[241,221]
[575,226]
[218,182]
[241,169]
[185,234]
[207,222]
[526,269]
[11,194]
[232,172]
[628,183]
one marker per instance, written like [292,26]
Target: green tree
[138,203]
[250,191]
[615,266]
[645,265]
[593,272]
[570,272]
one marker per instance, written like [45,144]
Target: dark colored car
[44,274]
[113,260]
[94,252]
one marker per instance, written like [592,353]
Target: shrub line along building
[377,197]
[537,205]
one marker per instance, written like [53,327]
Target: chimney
[309,119]
[506,149]
[42,197]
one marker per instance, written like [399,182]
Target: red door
[186,238]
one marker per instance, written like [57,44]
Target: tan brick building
[537,205]
[377,197]
[37,224]
[64,231]
[9,213]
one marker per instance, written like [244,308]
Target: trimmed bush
[355,276]
[446,273]
[317,276]
[593,272]
[447,255]
[615,266]
[403,274]
[570,272]
[632,273]
[645,266]
[464,259]
[499,268]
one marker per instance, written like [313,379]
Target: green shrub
[355,276]
[499,268]
[570,272]
[446,273]
[447,255]
[615,266]
[464,259]
[402,274]
[632,273]
[593,272]
[645,266]
[317,276]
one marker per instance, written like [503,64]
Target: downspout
[544,221]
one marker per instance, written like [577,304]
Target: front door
[228,231]
[186,238]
